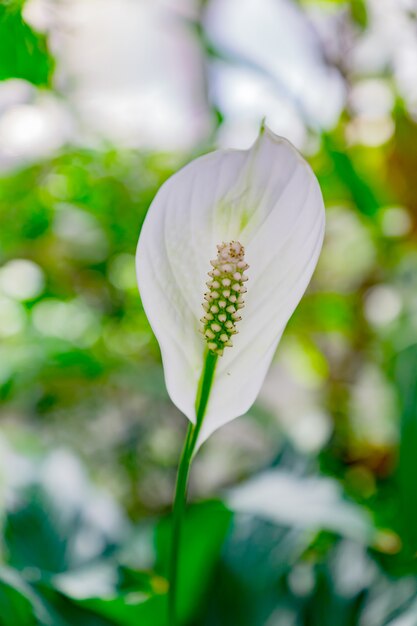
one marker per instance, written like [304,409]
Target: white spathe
[268,199]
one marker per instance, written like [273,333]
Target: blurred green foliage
[23,52]
[90,441]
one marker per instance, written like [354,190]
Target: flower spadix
[226,251]
[224,297]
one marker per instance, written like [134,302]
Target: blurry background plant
[100,101]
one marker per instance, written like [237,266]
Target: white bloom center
[224,297]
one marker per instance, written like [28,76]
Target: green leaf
[140,597]
[23,52]
[65,611]
[40,534]
[204,531]
[33,537]
[359,12]
[406,378]
[356,184]
[19,605]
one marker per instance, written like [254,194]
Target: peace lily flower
[226,251]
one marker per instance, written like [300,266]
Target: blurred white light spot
[347,237]
[12,317]
[21,279]
[39,14]
[302,502]
[22,126]
[245,97]
[32,130]
[353,571]
[382,305]
[105,515]
[141,83]
[15,91]
[370,131]
[295,406]
[373,407]
[87,543]
[311,430]
[273,38]
[16,470]
[389,42]
[72,321]
[63,478]
[97,580]
[396,222]
[82,231]
[372,98]
[301,579]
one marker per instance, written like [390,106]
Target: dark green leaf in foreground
[204,531]
[19,605]
[65,612]
[140,598]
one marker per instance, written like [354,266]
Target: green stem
[203,395]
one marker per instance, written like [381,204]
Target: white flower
[261,208]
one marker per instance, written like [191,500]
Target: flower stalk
[181,488]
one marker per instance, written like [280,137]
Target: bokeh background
[305,509]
